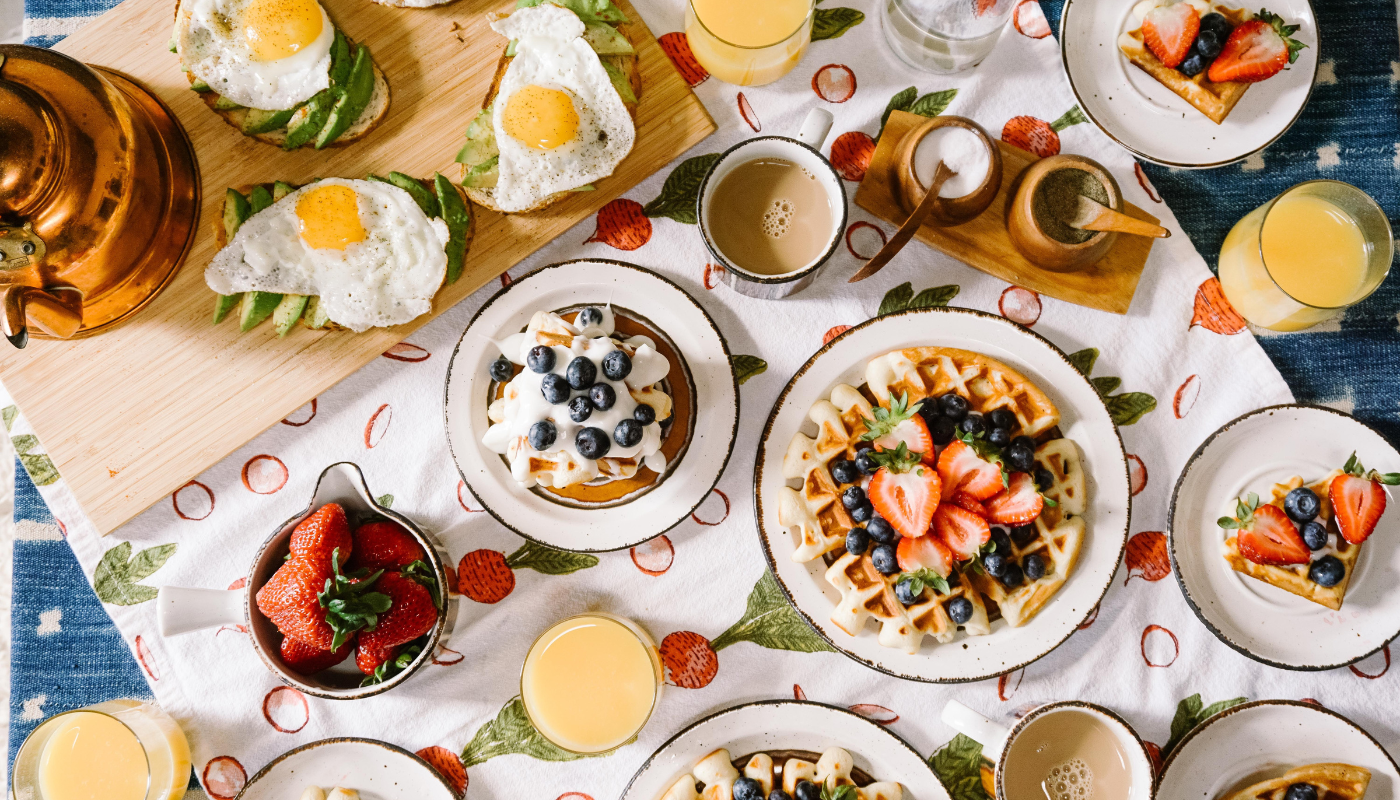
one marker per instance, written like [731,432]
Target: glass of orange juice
[1306,255]
[117,750]
[591,681]
[749,42]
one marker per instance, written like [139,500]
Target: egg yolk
[275,29]
[329,219]
[541,118]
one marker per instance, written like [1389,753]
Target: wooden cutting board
[131,415]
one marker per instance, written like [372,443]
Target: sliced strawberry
[963,531]
[1272,539]
[904,491]
[899,423]
[1017,505]
[1256,50]
[967,502]
[1170,31]
[962,470]
[1358,504]
[925,552]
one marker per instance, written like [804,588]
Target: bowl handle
[180,610]
[815,127]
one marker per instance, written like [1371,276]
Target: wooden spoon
[910,226]
[1095,216]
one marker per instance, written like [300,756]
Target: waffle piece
[866,594]
[1215,100]
[716,774]
[1294,577]
[986,383]
[1332,781]
[815,510]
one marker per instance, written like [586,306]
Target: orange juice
[118,750]
[590,682]
[748,43]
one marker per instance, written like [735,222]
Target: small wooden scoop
[1094,216]
[910,226]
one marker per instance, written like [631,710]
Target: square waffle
[1332,781]
[716,773]
[1215,100]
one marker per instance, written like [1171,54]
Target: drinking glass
[751,64]
[944,36]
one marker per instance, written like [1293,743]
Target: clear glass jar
[944,36]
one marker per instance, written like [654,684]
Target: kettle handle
[57,311]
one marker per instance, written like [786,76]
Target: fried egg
[558,121]
[264,54]
[364,247]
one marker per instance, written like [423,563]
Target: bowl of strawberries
[345,600]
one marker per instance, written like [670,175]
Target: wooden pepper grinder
[1047,199]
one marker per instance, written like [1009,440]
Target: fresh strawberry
[963,531]
[384,545]
[411,614]
[904,491]
[1019,504]
[291,600]
[1358,499]
[1256,50]
[304,659]
[925,552]
[1265,534]
[372,659]
[322,533]
[962,470]
[967,502]
[1170,31]
[896,424]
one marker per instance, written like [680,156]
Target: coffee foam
[1072,780]
[777,220]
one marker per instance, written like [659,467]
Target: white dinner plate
[377,770]
[1264,622]
[1151,120]
[1083,418]
[632,291]
[1261,740]
[768,725]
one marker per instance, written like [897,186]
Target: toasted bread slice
[1215,100]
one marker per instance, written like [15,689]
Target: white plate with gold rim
[376,770]
[1084,419]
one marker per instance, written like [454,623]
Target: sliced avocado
[587,10]
[341,62]
[510,48]
[256,307]
[483,175]
[281,189]
[236,211]
[607,40]
[225,304]
[314,316]
[225,104]
[358,91]
[459,221]
[309,119]
[481,140]
[199,85]
[287,313]
[620,82]
[259,198]
[259,121]
[174,48]
[587,187]
[422,195]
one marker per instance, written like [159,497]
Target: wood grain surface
[984,243]
[131,415]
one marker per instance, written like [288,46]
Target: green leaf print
[116,576]
[830,23]
[1106,386]
[1083,360]
[902,298]
[1190,713]
[959,765]
[1125,408]
[900,102]
[746,367]
[933,103]
[386,500]
[9,414]
[511,733]
[39,466]
[677,199]
[770,622]
[548,561]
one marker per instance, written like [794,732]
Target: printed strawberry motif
[1019,504]
[1358,498]
[1029,19]
[1186,395]
[1385,656]
[448,765]
[1170,32]
[858,229]
[622,224]
[1213,312]
[1038,136]
[223,777]
[851,154]
[384,545]
[925,553]
[750,116]
[904,490]
[487,576]
[286,710]
[834,83]
[325,531]
[1019,304]
[1159,657]
[963,531]
[899,425]
[197,502]
[833,332]
[1265,534]
[1256,50]
[676,46]
[1147,558]
[403,351]
[690,660]
[961,469]
[1137,474]
[1145,184]
[305,659]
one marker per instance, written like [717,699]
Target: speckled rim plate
[787,725]
[687,482]
[1262,740]
[1149,119]
[377,770]
[1083,419]
[1265,623]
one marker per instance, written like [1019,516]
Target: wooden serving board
[130,415]
[984,243]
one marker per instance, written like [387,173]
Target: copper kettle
[98,195]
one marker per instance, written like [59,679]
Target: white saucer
[1083,419]
[1261,740]
[688,480]
[1151,120]
[1263,622]
[377,770]
[788,725]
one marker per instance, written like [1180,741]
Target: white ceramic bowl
[377,770]
[1151,120]
[688,480]
[1250,454]
[1083,419]
[788,725]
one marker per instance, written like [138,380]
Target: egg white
[211,46]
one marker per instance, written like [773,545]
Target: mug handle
[180,610]
[977,727]
[815,127]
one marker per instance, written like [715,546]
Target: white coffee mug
[998,744]
[805,151]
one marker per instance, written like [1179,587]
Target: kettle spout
[57,311]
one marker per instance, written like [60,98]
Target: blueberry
[994,564]
[1209,43]
[540,358]
[589,316]
[581,373]
[881,530]
[1218,24]
[844,471]
[747,789]
[1044,478]
[1002,418]
[928,409]
[1194,65]
[592,443]
[1301,505]
[616,365]
[863,512]
[501,369]
[555,388]
[1023,535]
[959,610]
[904,590]
[628,433]
[973,424]
[953,406]
[1301,791]
[1024,441]
[885,560]
[580,408]
[865,462]
[644,414]
[998,437]
[602,396]
[1011,577]
[779,794]
[1314,535]
[941,430]
[857,541]
[806,790]
[853,497]
[1001,542]
[1034,565]
[1327,571]
[542,435]
[1018,457]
